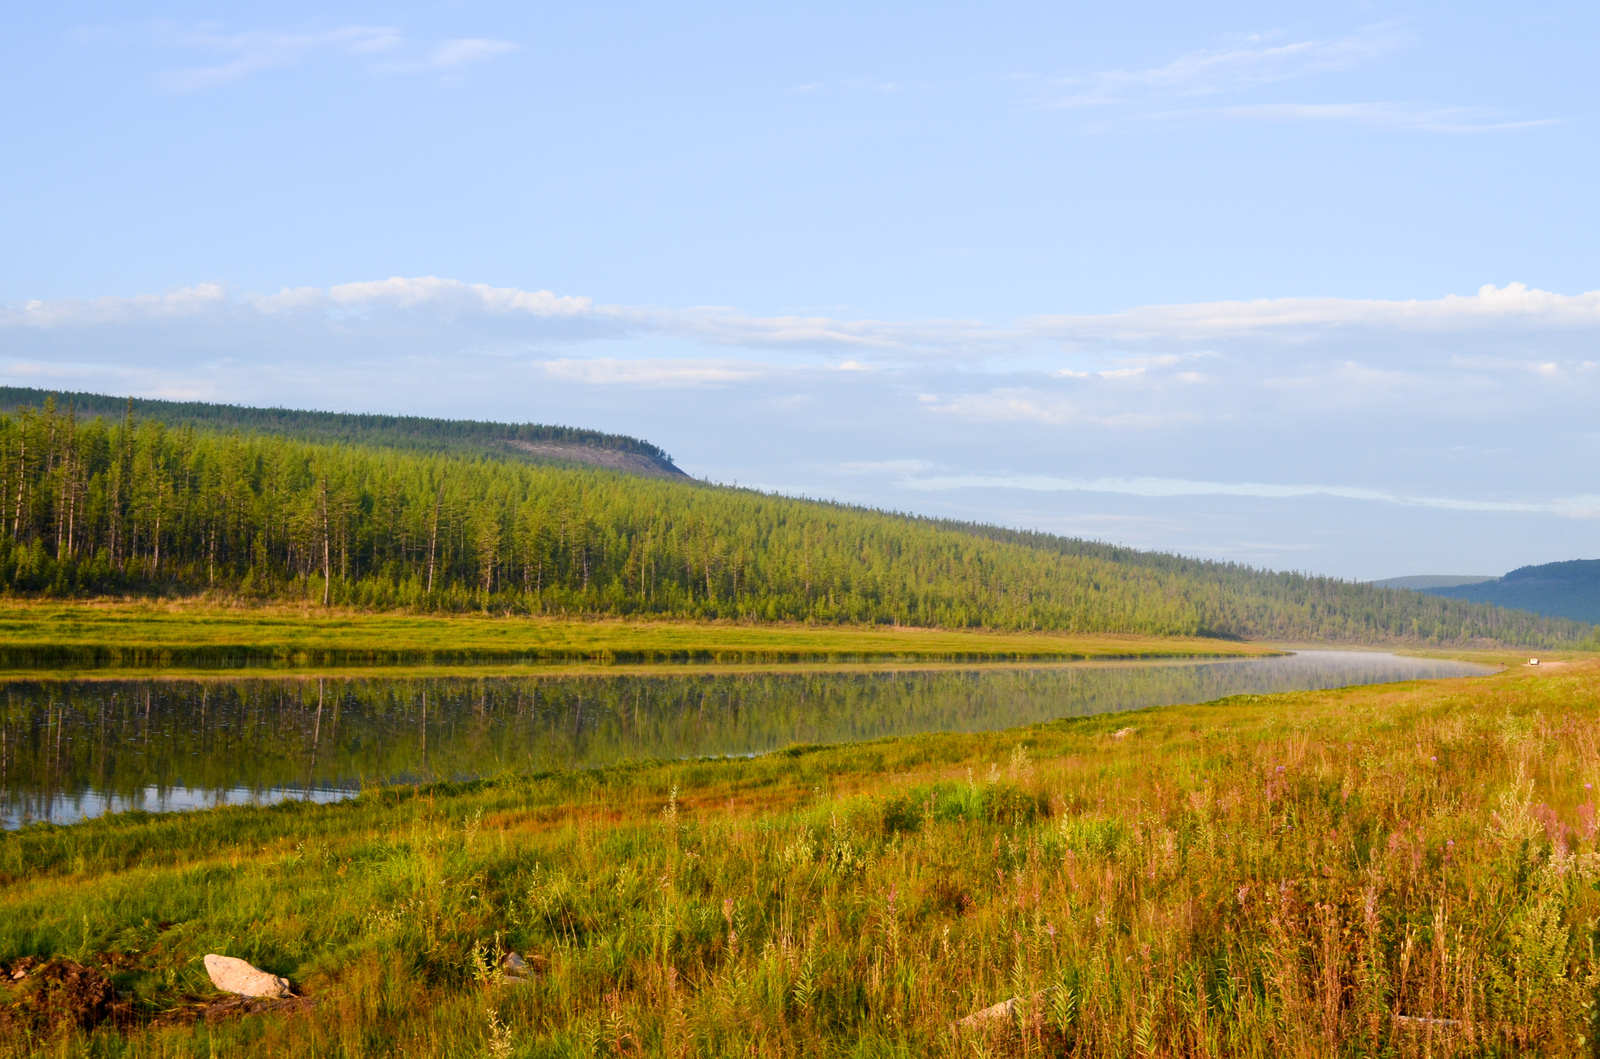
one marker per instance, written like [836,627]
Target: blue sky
[1306,287]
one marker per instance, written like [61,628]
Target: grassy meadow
[135,637]
[1405,869]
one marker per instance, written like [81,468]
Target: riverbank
[114,638]
[1402,868]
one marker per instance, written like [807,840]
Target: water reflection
[71,749]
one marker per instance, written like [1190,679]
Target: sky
[1307,287]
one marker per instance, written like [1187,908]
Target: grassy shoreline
[140,637]
[1302,874]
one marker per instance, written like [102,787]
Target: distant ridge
[1568,589]
[540,442]
[1423,582]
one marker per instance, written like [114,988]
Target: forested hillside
[126,506]
[1567,590]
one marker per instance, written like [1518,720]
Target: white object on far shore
[1533,661]
[233,975]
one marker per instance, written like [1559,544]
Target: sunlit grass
[1407,870]
[66,638]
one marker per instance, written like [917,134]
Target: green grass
[126,638]
[1302,874]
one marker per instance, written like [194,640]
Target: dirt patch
[44,997]
[220,1008]
[635,462]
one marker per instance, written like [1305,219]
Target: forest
[131,506]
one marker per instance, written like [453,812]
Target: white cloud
[1145,341]
[453,55]
[885,466]
[1512,306]
[1013,405]
[1576,507]
[253,51]
[1420,116]
[1247,65]
[432,292]
[607,371]
[1164,94]
[381,49]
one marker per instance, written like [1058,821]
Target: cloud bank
[1512,310]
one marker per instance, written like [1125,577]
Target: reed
[1407,869]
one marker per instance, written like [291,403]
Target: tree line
[132,506]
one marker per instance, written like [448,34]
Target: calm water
[72,749]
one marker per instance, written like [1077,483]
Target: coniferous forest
[124,505]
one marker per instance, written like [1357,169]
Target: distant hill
[1423,582]
[535,442]
[1558,590]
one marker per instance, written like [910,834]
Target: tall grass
[1402,870]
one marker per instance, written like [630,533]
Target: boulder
[232,975]
[1004,1011]
[526,970]
[1008,1013]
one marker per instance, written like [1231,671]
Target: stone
[233,975]
[1003,1011]
[525,970]
[1006,1013]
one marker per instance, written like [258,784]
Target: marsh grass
[1400,870]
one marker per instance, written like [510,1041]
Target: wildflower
[1433,759]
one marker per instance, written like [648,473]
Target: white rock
[232,975]
[1003,1010]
